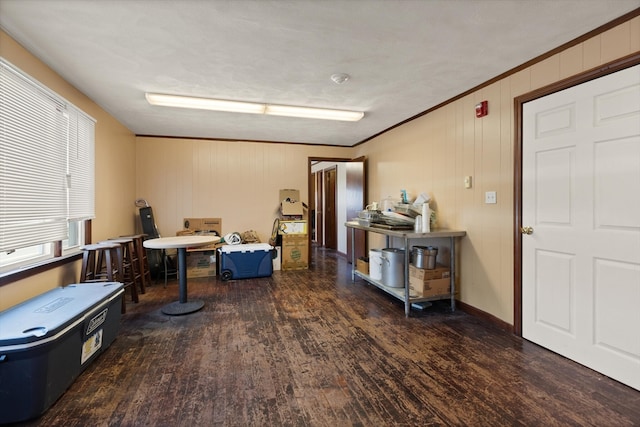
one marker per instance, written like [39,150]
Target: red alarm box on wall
[482,109]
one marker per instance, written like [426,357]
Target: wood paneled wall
[233,180]
[436,151]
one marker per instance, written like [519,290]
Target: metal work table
[407,236]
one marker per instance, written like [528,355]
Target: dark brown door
[356,183]
[330,230]
[319,225]
[356,179]
[312,208]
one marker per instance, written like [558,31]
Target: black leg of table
[182,274]
[183,306]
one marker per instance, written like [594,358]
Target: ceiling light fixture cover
[250,107]
[204,103]
[313,113]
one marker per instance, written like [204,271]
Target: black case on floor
[47,341]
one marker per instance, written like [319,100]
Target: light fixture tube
[313,113]
[204,103]
[251,107]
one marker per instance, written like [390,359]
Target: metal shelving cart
[407,236]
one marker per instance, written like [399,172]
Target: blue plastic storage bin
[47,341]
[246,261]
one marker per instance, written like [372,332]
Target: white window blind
[38,131]
[80,167]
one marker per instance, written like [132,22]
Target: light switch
[490,197]
[467,181]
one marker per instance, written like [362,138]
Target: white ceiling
[404,56]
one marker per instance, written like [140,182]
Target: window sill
[33,269]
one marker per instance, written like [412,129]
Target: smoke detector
[340,78]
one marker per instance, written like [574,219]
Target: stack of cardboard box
[201,261]
[290,205]
[294,231]
[428,283]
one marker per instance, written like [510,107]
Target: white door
[581,197]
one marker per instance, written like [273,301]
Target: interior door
[312,207]
[319,195]
[330,214]
[356,179]
[581,200]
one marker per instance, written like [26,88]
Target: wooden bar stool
[140,254]
[102,262]
[131,277]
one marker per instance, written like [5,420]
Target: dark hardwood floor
[311,348]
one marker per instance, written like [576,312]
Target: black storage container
[47,341]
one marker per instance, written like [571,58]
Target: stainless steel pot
[424,257]
[393,267]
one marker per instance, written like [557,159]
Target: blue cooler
[246,261]
[47,341]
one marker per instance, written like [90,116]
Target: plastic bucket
[393,267]
[375,264]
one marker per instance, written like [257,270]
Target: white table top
[180,242]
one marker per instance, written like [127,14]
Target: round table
[181,243]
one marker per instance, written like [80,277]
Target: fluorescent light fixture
[204,103]
[251,107]
[314,113]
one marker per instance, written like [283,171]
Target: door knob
[526,230]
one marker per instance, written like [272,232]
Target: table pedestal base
[178,308]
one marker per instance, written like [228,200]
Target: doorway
[330,209]
[336,192]
[578,247]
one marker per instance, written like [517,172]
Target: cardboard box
[211,247]
[295,252]
[292,195]
[362,266]
[290,203]
[201,227]
[201,263]
[292,227]
[439,272]
[430,288]
[203,224]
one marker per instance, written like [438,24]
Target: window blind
[80,167]
[37,130]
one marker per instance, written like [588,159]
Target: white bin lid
[249,247]
[45,315]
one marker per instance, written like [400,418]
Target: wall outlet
[490,198]
[468,181]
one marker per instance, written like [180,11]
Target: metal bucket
[375,264]
[424,257]
[393,267]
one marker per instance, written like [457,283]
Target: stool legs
[102,262]
[87,273]
[140,258]
[130,276]
[109,265]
